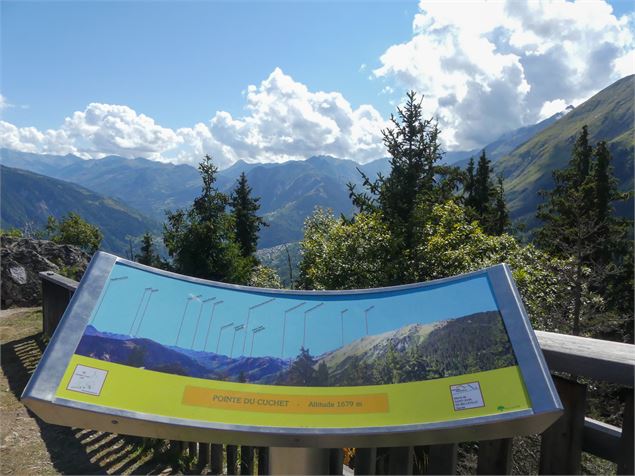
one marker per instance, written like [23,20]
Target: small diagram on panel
[467,395]
[87,380]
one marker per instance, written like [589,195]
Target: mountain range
[291,190]
[29,198]
[609,116]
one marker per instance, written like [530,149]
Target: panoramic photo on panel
[217,333]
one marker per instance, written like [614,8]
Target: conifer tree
[482,192]
[414,148]
[468,186]
[322,375]
[568,213]
[404,199]
[200,239]
[499,218]
[147,254]
[246,222]
[302,371]
[612,231]
[579,223]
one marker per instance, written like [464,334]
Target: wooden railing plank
[601,439]
[192,450]
[57,292]
[263,460]
[203,454]
[365,461]
[247,460]
[442,459]
[231,453]
[625,464]
[336,461]
[593,358]
[561,444]
[216,459]
[400,460]
[495,457]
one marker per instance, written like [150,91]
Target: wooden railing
[578,358]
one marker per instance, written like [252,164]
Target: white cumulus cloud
[488,67]
[284,120]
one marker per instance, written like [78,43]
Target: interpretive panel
[149,346]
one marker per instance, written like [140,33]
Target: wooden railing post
[203,454]
[192,450]
[231,455]
[495,457]
[400,460]
[57,292]
[216,459]
[246,460]
[625,463]
[442,459]
[561,444]
[366,461]
[263,460]
[336,460]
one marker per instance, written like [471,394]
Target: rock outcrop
[21,259]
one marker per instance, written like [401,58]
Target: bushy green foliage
[342,254]
[73,230]
[264,277]
[11,232]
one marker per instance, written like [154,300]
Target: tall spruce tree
[579,223]
[200,239]
[499,216]
[414,148]
[405,198]
[483,188]
[302,371]
[246,221]
[612,231]
[484,198]
[147,254]
[468,186]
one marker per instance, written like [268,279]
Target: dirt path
[30,446]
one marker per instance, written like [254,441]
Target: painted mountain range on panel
[415,352]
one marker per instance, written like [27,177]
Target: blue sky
[171,317]
[264,81]
[180,62]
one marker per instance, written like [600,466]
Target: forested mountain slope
[30,198]
[609,116]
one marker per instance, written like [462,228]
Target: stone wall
[21,259]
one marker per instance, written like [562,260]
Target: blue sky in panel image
[176,312]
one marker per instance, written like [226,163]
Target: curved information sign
[152,353]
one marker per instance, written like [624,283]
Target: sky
[206,317]
[274,81]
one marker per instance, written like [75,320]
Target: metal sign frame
[40,393]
